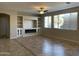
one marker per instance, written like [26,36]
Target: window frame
[66,13]
[49,23]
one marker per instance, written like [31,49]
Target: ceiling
[32,7]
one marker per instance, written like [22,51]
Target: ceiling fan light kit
[42,11]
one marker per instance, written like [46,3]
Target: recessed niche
[34,23]
[19,22]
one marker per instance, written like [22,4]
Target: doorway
[4,25]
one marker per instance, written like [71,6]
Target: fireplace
[30,31]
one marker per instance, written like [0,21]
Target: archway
[4,25]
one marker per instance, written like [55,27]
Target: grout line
[25,48]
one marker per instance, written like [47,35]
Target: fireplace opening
[30,30]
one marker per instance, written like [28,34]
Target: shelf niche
[19,22]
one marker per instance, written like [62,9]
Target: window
[66,21]
[47,22]
[58,21]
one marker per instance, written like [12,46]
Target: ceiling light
[42,11]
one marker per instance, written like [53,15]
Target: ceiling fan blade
[45,10]
[42,11]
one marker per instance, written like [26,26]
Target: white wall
[13,26]
[30,17]
[28,24]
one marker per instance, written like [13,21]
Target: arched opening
[4,25]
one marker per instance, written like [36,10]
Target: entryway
[4,25]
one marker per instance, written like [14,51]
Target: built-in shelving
[19,22]
[34,23]
[19,26]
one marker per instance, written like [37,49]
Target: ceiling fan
[42,11]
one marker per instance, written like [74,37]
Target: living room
[37,28]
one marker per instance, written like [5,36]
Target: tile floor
[37,46]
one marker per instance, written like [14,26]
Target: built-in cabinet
[19,26]
[27,26]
